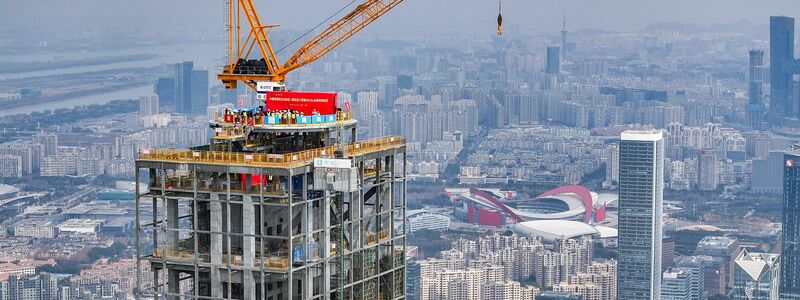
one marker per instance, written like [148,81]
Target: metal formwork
[239,226]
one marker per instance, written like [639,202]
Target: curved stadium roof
[550,230]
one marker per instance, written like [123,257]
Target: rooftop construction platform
[280,211]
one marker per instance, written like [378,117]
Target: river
[132,93]
[205,56]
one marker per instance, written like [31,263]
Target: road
[71,199]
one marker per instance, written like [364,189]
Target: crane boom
[248,71]
[337,33]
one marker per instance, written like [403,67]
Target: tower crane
[242,40]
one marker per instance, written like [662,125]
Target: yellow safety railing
[269,262]
[268,160]
[372,237]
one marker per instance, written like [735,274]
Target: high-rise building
[183,87]
[675,285]
[29,155]
[723,248]
[641,184]
[148,105]
[553,60]
[602,274]
[508,290]
[790,238]
[682,284]
[559,296]
[564,38]
[712,271]
[387,92]
[768,173]
[287,214]
[366,105]
[667,251]
[589,291]
[706,170]
[405,82]
[199,92]
[756,276]
[755,104]
[782,68]
[165,89]
[413,277]
[49,142]
[612,165]
[697,283]
[10,166]
[36,287]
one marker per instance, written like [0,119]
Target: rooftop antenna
[564,37]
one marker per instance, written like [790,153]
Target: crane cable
[315,27]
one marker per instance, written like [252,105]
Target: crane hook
[499,17]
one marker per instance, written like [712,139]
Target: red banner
[303,102]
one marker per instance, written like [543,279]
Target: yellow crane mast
[240,67]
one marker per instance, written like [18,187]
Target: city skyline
[582,154]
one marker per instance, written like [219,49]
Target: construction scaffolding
[215,223]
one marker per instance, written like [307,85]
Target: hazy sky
[413,17]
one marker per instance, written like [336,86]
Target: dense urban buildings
[518,184]
[641,184]
[496,264]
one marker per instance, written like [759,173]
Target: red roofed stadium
[496,208]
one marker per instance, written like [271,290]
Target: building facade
[755,91]
[782,68]
[148,105]
[682,284]
[756,276]
[183,87]
[641,184]
[790,253]
[286,214]
[10,166]
[553,60]
[199,92]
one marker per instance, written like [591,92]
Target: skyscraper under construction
[278,206]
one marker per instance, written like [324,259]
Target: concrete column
[173,284]
[215,251]
[290,222]
[307,217]
[248,245]
[172,223]
[325,243]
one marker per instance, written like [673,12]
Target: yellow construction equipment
[499,17]
[268,69]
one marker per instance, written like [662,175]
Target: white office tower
[641,185]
